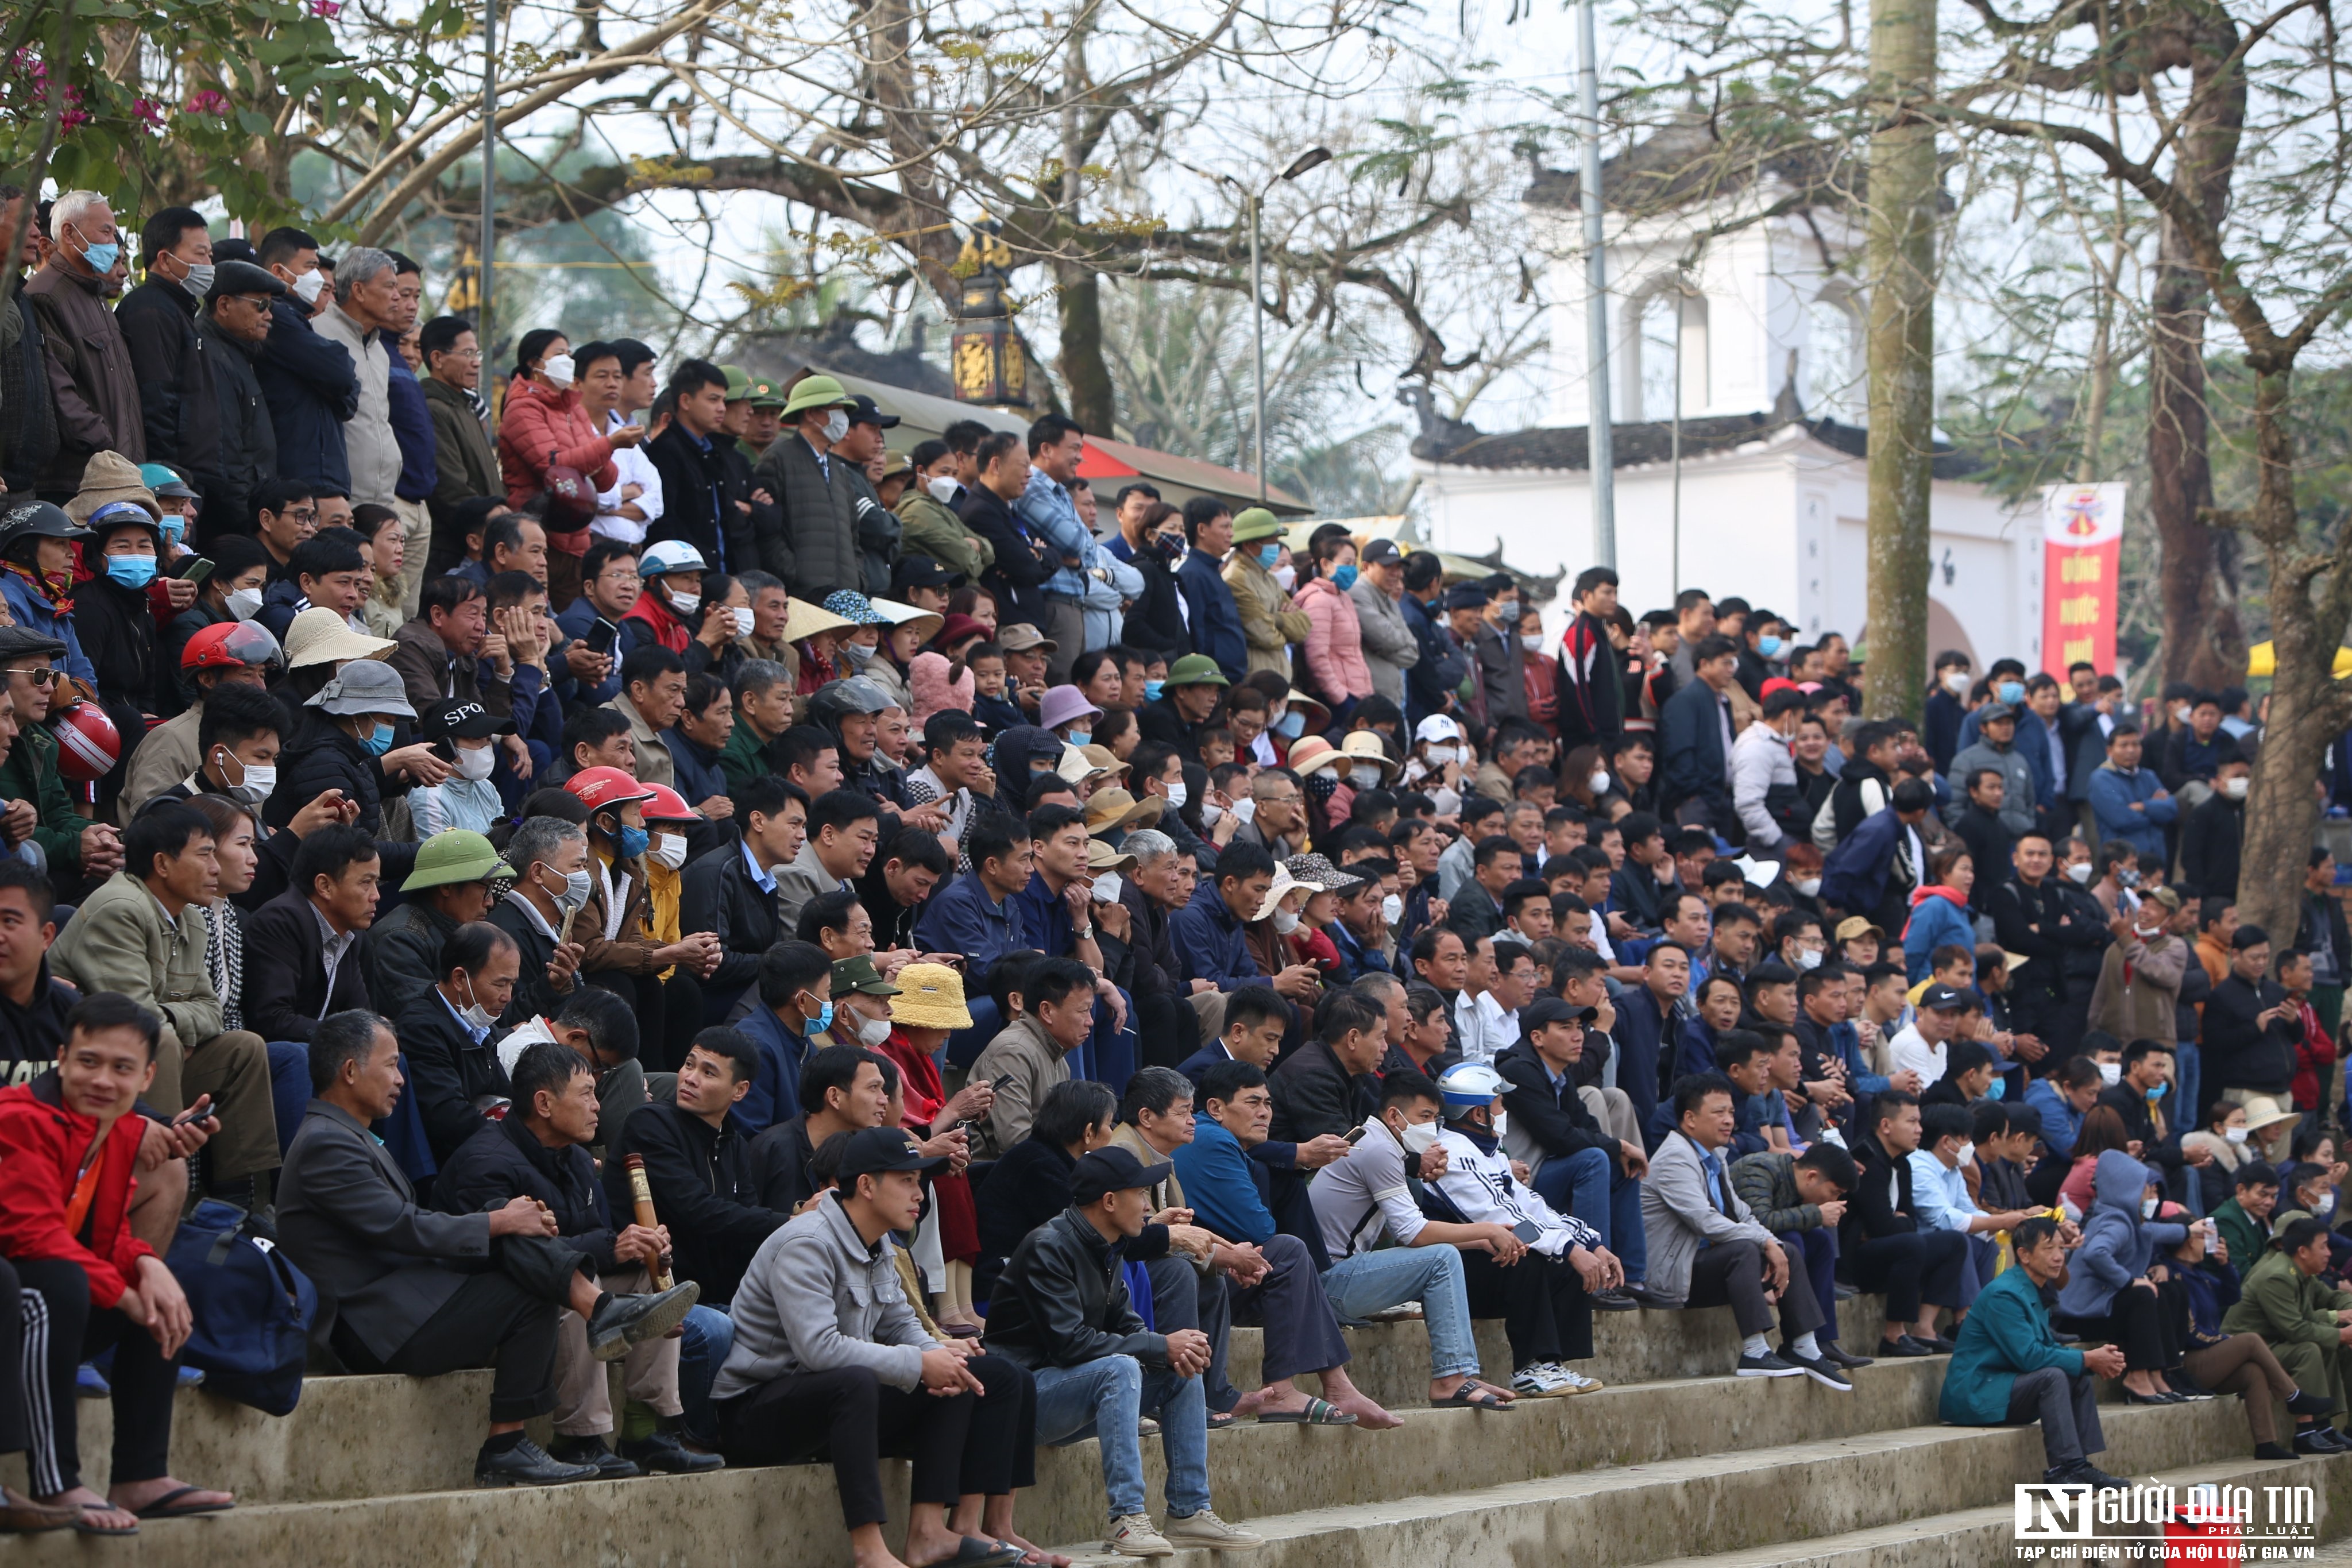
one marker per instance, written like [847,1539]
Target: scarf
[1483,1142]
[57,594]
[1933,890]
[224,960]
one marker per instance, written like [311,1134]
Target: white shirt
[635,468]
[1486,1030]
[1908,1049]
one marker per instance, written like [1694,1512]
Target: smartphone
[198,570]
[602,636]
[1527,1231]
[1355,1134]
[1000,1083]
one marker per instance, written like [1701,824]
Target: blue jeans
[1104,1399]
[1374,1281]
[289,1087]
[709,1334]
[2188,1080]
[1593,1185]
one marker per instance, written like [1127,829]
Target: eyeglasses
[471,355]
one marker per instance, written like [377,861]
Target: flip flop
[979,1551]
[82,1521]
[1220,1419]
[1319,1413]
[162,1507]
[1472,1396]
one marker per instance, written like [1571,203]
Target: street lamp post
[489,164]
[1601,453]
[1313,158]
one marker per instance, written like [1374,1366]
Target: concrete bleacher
[1673,1462]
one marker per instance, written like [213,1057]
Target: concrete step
[382,1435]
[1617,1477]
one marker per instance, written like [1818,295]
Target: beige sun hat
[899,614]
[1283,883]
[1113,810]
[931,997]
[319,635]
[804,619]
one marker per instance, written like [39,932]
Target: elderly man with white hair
[1151,891]
[91,380]
[366,304]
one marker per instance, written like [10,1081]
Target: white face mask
[873,1031]
[2111,1072]
[558,371]
[1531,641]
[1440,755]
[1957,682]
[1286,577]
[577,888]
[2080,872]
[2236,1134]
[245,604]
[308,287]
[1598,783]
[476,1015]
[2148,1208]
[1365,775]
[837,423]
[476,761]
[259,780]
[1808,886]
[668,849]
[686,604]
[1967,1152]
[943,487]
[1502,1122]
[1286,921]
[743,622]
[2180,715]
[2235,788]
[1392,909]
[1419,1138]
[1106,888]
[1807,958]
[1178,793]
[1507,610]
[1210,813]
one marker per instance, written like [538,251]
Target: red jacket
[2313,1058]
[41,1148]
[661,624]
[538,428]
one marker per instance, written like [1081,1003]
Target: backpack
[253,1309]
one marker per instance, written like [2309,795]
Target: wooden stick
[642,1191]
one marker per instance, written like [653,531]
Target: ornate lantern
[991,365]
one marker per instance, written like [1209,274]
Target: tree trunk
[1902,259]
[1086,373]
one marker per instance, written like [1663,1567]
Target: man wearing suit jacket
[304,953]
[1708,1248]
[1695,739]
[422,1293]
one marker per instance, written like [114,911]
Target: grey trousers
[2068,1409]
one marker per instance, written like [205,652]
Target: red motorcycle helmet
[666,804]
[88,745]
[232,645]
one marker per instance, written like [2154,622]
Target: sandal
[1319,1413]
[82,1521]
[1221,1419]
[162,1507]
[1472,1395]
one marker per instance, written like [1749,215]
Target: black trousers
[2068,1409]
[15,1365]
[1541,1301]
[1911,1268]
[964,1445]
[1302,1334]
[503,1318]
[1168,1030]
[63,1330]
[2136,1320]
[668,1015]
[1731,1273]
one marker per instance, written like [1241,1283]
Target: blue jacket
[311,388]
[579,617]
[2005,1334]
[1934,921]
[1854,875]
[412,426]
[1639,1037]
[1047,508]
[2112,793]
[961,917]
[775,1092]
[1690,738]
[699,776]
[1695,1047]
[1209,943]
[2117,1243]
[2061,1123]
[32,612]
[1216,619]
[1045,919]
[1439,669]
[1225,1187]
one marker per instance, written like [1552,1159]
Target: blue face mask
[822,1021]
[1268,555]
[132,571]
[378,743]
[2156,1091]
[102,258]
[174,528]
[1079,737]
[1291,725]
[1999,1088]
[1344,577]
[1151,689]
[632,842]
[2011,691]
[1769,645]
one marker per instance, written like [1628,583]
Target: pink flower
[149,114]
[208,101]
[326,10]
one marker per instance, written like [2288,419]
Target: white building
[1773,496]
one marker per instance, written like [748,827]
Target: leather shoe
[1937,1344]
[525,1464]
[1643,1296]
[1613,1302]
[591,1452]
[2082,1472]
[2165,1398]
[1902,1346]
[662,1454]
[2316,1440]
[620,1321]
[1836,1355]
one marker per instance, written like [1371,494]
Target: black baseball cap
[864,410]
[468,721]
[878,1149]
[1112,1169]
[921,572]
[1545,1010]
[1942,998]
[1380,552]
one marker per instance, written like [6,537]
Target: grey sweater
[817,1297]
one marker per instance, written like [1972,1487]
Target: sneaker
[591,1452]
[1131,1535]
[90,1383]
[1147,1427]
[1820,1369]
[191,1377]
[1575,1380]
[661,1454]
[620,1321]
[525,1464]
[1205,1529]
[1540,1380]
[1404,1312]
[1613,1302]
[1767,1365]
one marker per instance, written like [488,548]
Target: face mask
[2235,788]
[2148,1208]
[1507,611]
[199,280]
[1178,793]
[1286,921]
[2180,715]
[1769,645]
[837,424]
[1957,682]
[132,571]
[1598,783]
[632,842]
[102,258]
[1106,888]
[743,622]
[2324,1207]
[1171,545]
[823,1019]
[685,604]
[873,1031]
[1419,1138]
[2079,873]
[1210,813]
[1502,1122]
[1365,775]
[2011,691]
[1808,886]
[1999,1090]
[2236,1134]
[1268,555]
[1344,577]
[2111,1072]
[1807,958]
[476,761]
[1291,725]
[245,604]
[943,487]
[1152,691]
[173,529]
[1440,755]
[669,850]
[1392,907]
[477,1016]
[1531,641]
[310,286]
[2126,879]
[377,743]
[2156,1091]
[1075,737]
[1286,577]
[258,780]
[860,656]
[1967,1152]
[558,371]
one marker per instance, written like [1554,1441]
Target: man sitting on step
[1802,1199]
[423,1293]
[1706,1247]
[2009,1367]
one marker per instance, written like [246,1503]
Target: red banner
[2081,551]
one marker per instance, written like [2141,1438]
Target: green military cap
[459,855]
[858,974]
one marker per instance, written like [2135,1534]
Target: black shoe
[1902,1346]
[1836,1355]
[2188,1387]
[2310,1405]
[2272,1451]
[2081,1473]
[1820,1369]
[591,1452]
[1847,1292]
[1767,1365]
[663,1454]
[1613,1302]
[2337,1441]
[1937,1344]
[620,1321]
[2131,1398]
[1643,1296]
[2314,1440]
[525,1464]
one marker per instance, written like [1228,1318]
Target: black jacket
[2209,847]
[2043,924]
[246,452]
[1150,945]
[2132,1106]
[406,945]
[2241,1054]
[1880,1203]
[715,894]
[117,625]
[1554,1119]
[173,364]
[783,1162]
[1155,622]
[322,757]
[1025,1189]
[1023,564]
[1846,806]
[699,492]
[533,995]
[1989,847]
[448,1071]
[701,1182]
[311,387]
[1063,1301]
[29,1036]
[1314,1094]
[285,990]
[502,1160]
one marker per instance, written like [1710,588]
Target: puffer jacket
[817,550]
[1390,648]
[1334,642]
[927,527]
[538,428]
[1268,622]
